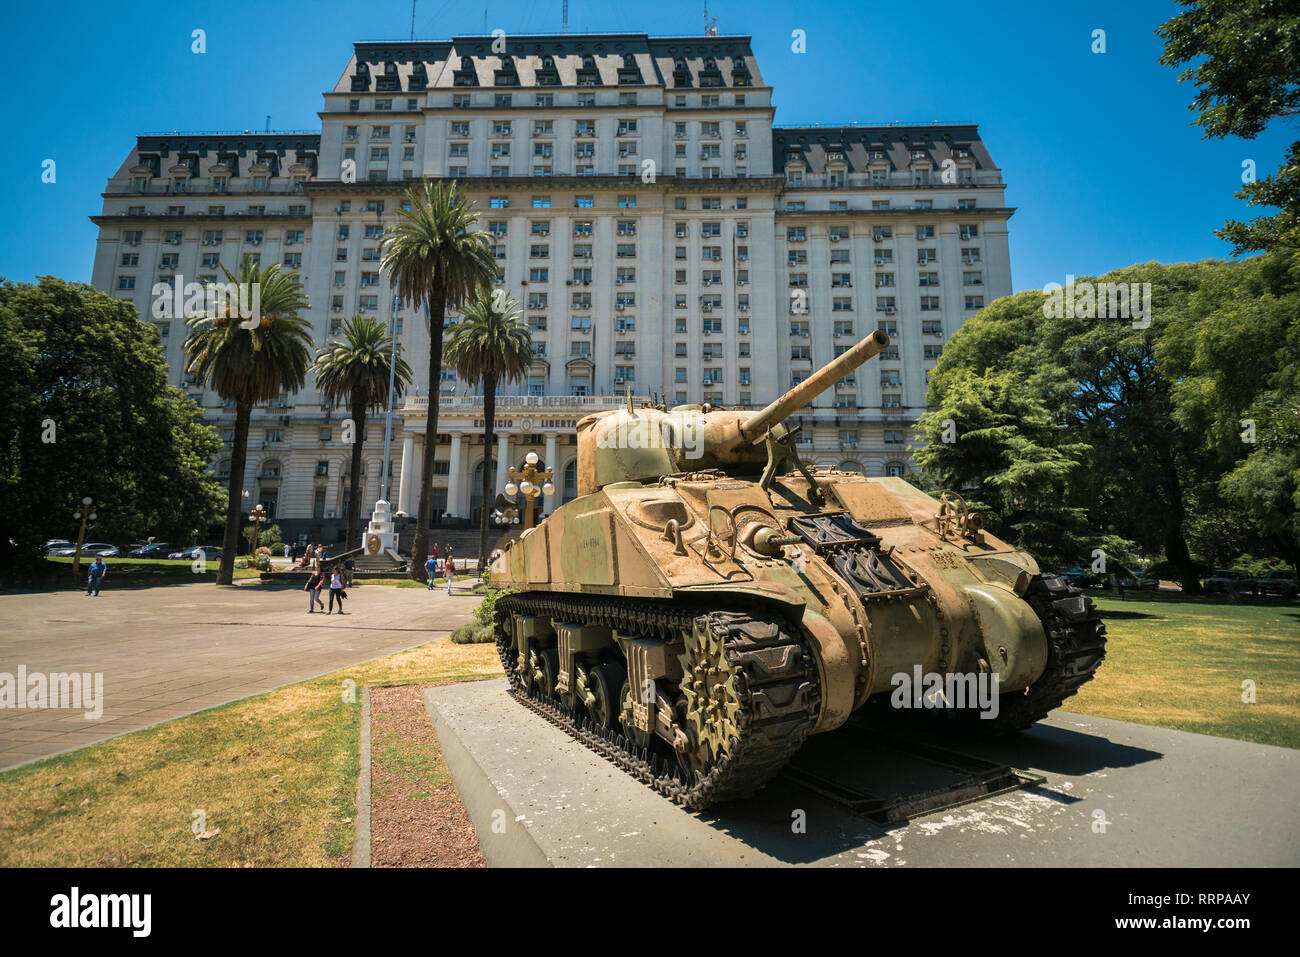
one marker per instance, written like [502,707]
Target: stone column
[550,502]
[406,489]
[455,480]
[415,474]
[503,465]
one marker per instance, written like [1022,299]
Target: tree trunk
[489,477]
[234,497]
[1176,551]
[437,311]
[353,518]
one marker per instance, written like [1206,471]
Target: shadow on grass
[1119,615]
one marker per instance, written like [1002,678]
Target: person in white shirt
[336,591]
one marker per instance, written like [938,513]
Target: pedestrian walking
[98,569]
[287,550]
[431,571]
[336,590]
[349,569]
[451,568]
[314,582]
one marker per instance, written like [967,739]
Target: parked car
[1079,577]
[1281,583]
[156,550]
[100,549]
[1125,579]
[210,553]
[1230,581]
[54,544]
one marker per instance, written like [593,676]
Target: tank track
[778,694]
[1076,645]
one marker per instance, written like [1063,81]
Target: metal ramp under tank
[890,775]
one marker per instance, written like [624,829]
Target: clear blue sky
[1096,148]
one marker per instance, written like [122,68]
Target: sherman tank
[709,600]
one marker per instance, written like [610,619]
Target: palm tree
[436,261]
[354,369]
[490,345]
[250,366]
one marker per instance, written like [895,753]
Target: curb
[482,801]
[361,844]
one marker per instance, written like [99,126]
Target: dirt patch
[416,818]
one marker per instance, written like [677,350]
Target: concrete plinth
[1166,798]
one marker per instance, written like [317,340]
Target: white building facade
[660,234]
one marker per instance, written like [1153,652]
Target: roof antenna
[412,19]
[564,18]
[268,122]
[710,26]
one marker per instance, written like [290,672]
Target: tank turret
[640,445]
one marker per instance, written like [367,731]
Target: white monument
[379,535]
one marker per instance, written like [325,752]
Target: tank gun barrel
[815,384]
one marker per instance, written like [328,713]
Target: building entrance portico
[546,425]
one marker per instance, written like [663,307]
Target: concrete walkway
[170,650]
[1166,798]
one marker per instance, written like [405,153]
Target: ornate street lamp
[258,516]
[531,482]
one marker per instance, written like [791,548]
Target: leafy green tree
[997,444]
[85,409]
[249,367]
[438,260]
[1247,75]
[354,369]
[1085,440]
[1235,356]
[490,345]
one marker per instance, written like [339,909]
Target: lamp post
[388,426]
[527,476]
[85,514]
[504,515]
[258,516]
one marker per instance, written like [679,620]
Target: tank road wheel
[605,683]
[711,702]
[548,660]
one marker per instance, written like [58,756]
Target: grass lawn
[276,773]
[1181,665]
[149,571]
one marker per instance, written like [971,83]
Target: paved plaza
[170,650]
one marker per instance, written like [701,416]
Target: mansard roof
[895,145]
[540,60]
